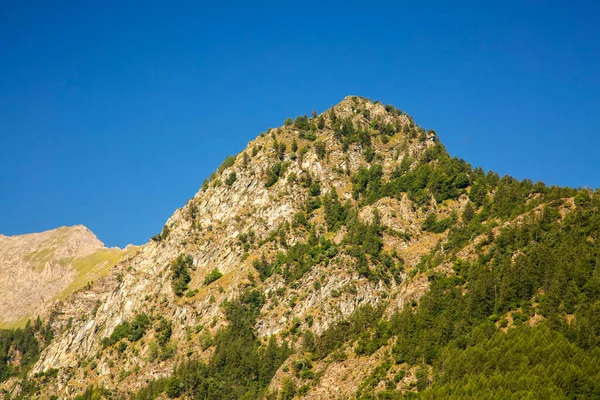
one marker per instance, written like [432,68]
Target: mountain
[345,255]
[38,268]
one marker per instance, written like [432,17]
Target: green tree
[320,150]
[174,387]
[212,276]
[180,273]
[321,122]
[231,179]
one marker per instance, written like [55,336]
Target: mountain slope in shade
[38,268]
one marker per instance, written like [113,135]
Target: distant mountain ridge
[37,268]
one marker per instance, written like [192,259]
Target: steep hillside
[345,255]
[37,268]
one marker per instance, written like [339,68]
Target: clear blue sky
[112,115]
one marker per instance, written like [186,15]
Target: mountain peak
[345,245]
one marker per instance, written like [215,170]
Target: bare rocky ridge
[209,228]
[37,268]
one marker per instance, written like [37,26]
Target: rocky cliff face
[257,208]
[39,268]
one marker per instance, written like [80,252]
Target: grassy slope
[89,269]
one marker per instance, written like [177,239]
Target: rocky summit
[342,255]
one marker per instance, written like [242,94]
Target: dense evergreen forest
[20,349]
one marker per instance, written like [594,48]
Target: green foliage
[301,123]
[300,219]
[332,115]
[212,276]
[315,188]
[231,179]
[335,212]
[264,268]
[238,368]
[26,344]
[280,149]
[337,334]
[310,135]
[302,153]
[180,273]
[369,154]
[523,363]
[367,236]
[164,329]
[364,241]
[163,234]
[436,175]
[309,341]
[453,331]
[297,260]
[510,197]
[313,203]
[432,224]
[275,172]
[468,213]
[348,134]
[228,162]
[320,149]
[133,331]
[367,182]
[321,122]
[93,393]
[174,387]
[288,389]
[206,340]
[582,198]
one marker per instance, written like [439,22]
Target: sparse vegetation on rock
[350,256]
